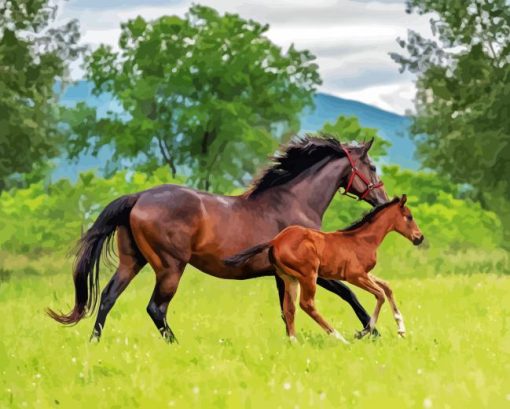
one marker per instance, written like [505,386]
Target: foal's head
[405,224]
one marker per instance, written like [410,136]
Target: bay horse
[170,226]
[300,255]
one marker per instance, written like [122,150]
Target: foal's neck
[374,232]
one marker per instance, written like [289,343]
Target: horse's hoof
[402,334]
[95,337]
[169,336]
[293,339]
[374,333]
[361,334]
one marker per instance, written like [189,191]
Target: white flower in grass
[196,390]
[287,386]
[427,403]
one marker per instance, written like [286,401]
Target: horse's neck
[316,187]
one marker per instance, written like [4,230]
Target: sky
[350,38]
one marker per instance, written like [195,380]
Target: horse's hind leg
[167,281]
[344,292]
[130,263]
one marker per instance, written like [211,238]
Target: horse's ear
[403,200]
[367,146]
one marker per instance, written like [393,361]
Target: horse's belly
[217,268]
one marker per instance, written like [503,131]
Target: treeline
[461,236]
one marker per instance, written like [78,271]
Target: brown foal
[300,255]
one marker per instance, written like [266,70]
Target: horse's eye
[410,218]
[373,168]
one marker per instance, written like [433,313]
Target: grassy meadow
[233,353]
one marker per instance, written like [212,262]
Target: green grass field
[233,352]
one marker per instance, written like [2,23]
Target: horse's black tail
[245,255]
[88,257]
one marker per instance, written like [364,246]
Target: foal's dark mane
[300,154]
[368,217]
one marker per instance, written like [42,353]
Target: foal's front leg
[365,282]
[396,313]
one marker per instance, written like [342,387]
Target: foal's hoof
[293,339]
[402,334]
[374,333]
[335,334]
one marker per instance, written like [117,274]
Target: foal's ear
[403,200]
[366,147]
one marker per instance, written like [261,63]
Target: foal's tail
[245,255]
[88,257]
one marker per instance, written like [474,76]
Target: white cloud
[351,38]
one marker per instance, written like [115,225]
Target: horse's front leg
[399,319]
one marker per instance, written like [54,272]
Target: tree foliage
[462,124]
[348,128]
[207,94]
[34,55]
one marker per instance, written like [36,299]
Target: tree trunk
[167,156]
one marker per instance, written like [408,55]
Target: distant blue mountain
[391,126]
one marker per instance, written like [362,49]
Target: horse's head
[405,224]
[363,181]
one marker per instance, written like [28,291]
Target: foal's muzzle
[418,240]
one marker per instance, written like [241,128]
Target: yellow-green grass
[233,352]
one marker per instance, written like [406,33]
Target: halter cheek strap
[355,172]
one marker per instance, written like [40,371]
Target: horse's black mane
[368,217]
[300,154]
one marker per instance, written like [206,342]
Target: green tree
[462,121]
[348,128]
[208,94]
[34,55]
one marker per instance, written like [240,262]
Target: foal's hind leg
[130,263]
[307,304]
[289,305]
[396,313]
[167,281]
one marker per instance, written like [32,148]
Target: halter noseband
[355,172]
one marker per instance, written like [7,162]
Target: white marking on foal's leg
[371,323]
[335,334]
[400,323]
[293,339]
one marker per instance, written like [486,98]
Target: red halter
[355,172]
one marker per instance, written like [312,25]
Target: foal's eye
[410,218]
